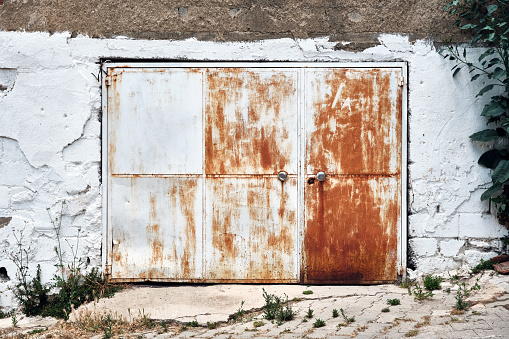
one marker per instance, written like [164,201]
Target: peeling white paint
[50,140]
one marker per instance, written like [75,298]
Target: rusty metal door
[353,206]
[212,173]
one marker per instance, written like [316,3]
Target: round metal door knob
[282,176]
[320,176]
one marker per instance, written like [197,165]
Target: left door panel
[155,189]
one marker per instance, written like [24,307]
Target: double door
[258,173]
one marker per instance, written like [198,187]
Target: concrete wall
[359,21]
[50,148]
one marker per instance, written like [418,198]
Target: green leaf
[467,26]
[490,159]
[484,90]
[487,53]
[501,173]
[493,109]
[491,9]
[456,71]
[498,73]
[490,191]
[475,77]
[486,135]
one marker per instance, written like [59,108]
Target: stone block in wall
[473,257]
[451,247]
[423,247]
[424,225]
[4,197]
[83,150]
[479,225]
[436,265]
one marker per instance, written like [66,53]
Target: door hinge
[401,81]
[107,80]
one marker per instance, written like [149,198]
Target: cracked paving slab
[366,306]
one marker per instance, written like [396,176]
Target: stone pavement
[366,306]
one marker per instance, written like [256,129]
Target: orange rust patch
[351,234]
[357,123]
[246,121]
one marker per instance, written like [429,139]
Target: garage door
[253,173]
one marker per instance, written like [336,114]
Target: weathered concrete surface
[432,318]
[231,20]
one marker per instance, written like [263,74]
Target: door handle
[320,176]
[282,176]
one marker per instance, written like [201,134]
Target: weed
[335,313]
[393,302]
[406,283]
[37,331]
[165,326]
[462,293]
[476,313]
[297,299]
[304,320]
[239,314]
[307,292]
[420,294]
[318,323]
[193,323]
[411,333]
[454,319]
[279,322]
[309,314]
[106,326]
[258,323]
[277,309]
[347,319]
[386,309]
[211,325]
[183,328]
[9,314]
[75,288]
[432,282]
[483,266]
[14,320]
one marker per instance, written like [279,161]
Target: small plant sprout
[432,282]
[318,323]
[348,320]
[211,325]
[258,323]
[309,314]
[462,293]
[335,313]
[393,302]
[420,294]
[14,320]
[239,313]
[386,309]
[307,292]
[193,323]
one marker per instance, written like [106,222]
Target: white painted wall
[50,142]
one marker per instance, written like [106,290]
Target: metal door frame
[106,259]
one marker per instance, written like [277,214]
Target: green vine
[488,21]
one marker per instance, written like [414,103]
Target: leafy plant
[386,309]
[307,292]
[277,309]
[393,302]
[462,293]
[193,323]
[309,314]
[420,294]
[75,288]
[406,283]
[335,313]
[483,266]
[211,325]
[318,323]
[106,326]
[488,21]
[432,282]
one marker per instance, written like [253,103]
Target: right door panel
[353,134]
